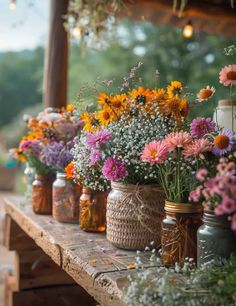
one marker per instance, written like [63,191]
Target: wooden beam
[56,59]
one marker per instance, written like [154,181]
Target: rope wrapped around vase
[134,215]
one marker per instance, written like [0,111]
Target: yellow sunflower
[175,88]
[91,123]
[160,94]
[104,99]
[106,116]
[119,103]
[143,98]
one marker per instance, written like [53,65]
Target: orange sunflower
[106,116]
[175,88]
[104,99]
[143,98]
[175,108]
[119,103]
[91,122]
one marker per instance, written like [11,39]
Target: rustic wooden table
[59,265]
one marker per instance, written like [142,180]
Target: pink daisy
[154,152]
[197,147]
[228,75]
[177,140]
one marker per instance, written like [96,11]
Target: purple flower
[31,147]
[56,155]
[223,142]
[94,141]
[201,126]
[114,170]
[94,157]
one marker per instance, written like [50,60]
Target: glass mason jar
[65,199]
[215,239]
[179,232]
[224,114]
[29,174]
[42,194]
[93,210]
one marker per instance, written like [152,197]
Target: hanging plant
[89,19]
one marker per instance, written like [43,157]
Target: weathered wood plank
[88,258]
[70,295]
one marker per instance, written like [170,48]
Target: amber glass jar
[42,194]
[65,199]
[93,210]
[179,232]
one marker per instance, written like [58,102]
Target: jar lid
[183,208]
[226,102]
[61,175]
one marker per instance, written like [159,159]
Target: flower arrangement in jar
[114,136]
[50,129]
[217,235]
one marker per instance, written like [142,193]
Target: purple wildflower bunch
[29,147]
[56,155]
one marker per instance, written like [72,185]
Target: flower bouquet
[44,149]
[113,139]
[177,158]
[217,236]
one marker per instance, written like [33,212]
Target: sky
[24,28]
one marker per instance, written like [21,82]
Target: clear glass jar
[42,194]
[179,232]
[224,114]
[215,239]
[29,174]
[93,210]
[66,196]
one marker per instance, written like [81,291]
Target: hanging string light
[12,5]
[188,30]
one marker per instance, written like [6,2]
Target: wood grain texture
[56,60]
[88,258]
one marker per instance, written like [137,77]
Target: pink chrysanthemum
[197,147]
[177,140]
[228,75]
[97,139]
[154,152]
[201,126]
[114,170]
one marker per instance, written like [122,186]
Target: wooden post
[56,59]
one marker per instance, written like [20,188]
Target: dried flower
[205,93]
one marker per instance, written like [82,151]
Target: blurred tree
[20,82]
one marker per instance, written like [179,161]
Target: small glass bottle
[179,232]
[93,210]
[66,196]
[42,194]
[215,239]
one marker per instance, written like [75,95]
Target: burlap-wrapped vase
[134,215]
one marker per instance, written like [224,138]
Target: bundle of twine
[134,215]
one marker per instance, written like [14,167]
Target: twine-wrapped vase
[134,215]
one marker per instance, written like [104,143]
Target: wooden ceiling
[211,16]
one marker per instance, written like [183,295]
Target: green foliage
[20,82]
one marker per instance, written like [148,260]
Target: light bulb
[188,30]
[76,32]
[12,5]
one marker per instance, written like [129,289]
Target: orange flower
[70,170]
[174,107]
[91,122]
[175,88]
[32,123]
[119,103]
[205,93]
[70,108]
[144,99]
[104,99]
[106,116]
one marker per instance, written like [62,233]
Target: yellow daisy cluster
[169,102]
